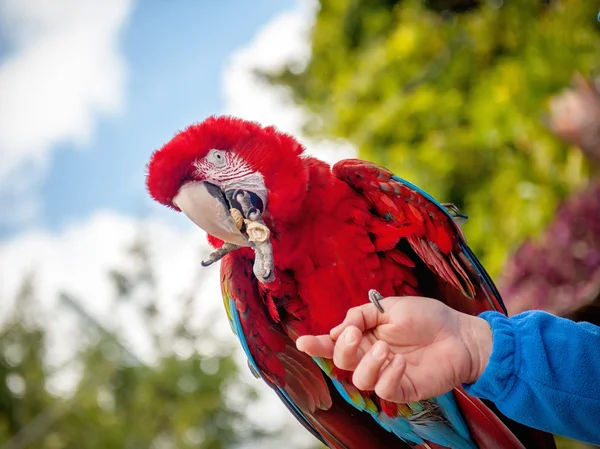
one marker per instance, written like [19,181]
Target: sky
[87,95]
[87,91]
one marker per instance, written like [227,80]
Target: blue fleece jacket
[544,371]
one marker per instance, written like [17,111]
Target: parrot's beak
[213,210]
[206,205]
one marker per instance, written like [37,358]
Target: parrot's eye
[216,157]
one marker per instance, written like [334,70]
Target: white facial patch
[228,171]
[218,166]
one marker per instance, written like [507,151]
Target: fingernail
[378,352]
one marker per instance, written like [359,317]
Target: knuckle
[361,382]
[352,315]
[385,391]
[341,357]
[358,380]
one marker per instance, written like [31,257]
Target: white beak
[205,205]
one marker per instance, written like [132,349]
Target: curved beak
[207,207]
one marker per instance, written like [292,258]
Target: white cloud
[78,259]
[63,71]
[284,40]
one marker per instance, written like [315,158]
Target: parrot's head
[204,169]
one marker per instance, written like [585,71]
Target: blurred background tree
[451,95]
[559,270]
[454,96]
[178,399]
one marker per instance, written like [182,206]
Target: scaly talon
[219,253]
[375,297]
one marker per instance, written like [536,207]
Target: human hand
[419,348]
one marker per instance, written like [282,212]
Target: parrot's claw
[219,253]
[267,278]
[456,214]
[248,210]
[375,297]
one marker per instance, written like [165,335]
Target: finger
[367,371]
[389,385]
[316,346]
[362,317]
[346,353]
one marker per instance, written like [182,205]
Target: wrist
[477,337]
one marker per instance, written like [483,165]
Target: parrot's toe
[375,297]
[219,253]
[248,203]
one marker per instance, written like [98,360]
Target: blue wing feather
[452,414]
[422,192]
[407,430]
[485,277]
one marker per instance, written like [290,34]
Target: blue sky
[175,53]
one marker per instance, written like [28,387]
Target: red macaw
[301,243]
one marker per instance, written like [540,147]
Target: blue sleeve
[544,372]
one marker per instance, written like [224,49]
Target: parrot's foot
[263,263]
[375,297]
[248,209]
[258,235]
[219,253]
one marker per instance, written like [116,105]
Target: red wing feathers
[405,213]
[294,375]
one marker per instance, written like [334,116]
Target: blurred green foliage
[451,95]
[175,400]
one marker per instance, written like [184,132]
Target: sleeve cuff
[499,377]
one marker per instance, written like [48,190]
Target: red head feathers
[264,150]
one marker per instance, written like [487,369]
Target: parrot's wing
[295,377]
[406,217]
[404,211]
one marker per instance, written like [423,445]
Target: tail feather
[486,428]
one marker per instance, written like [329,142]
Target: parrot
[300,242]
